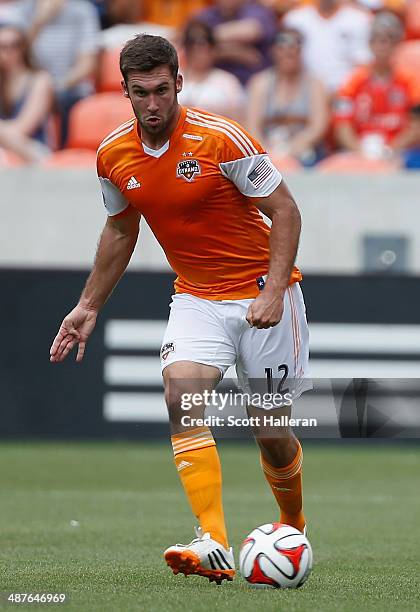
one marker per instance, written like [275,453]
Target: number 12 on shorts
[270,383]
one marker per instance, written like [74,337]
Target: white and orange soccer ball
[275,555]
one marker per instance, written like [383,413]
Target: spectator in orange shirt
[373,109]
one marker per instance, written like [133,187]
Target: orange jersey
[195,194]
[374,105]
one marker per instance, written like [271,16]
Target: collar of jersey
[174,136]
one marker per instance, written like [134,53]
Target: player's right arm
[115,248]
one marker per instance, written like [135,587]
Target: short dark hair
[145,52]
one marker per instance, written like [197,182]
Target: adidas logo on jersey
[183,465]
[133,183]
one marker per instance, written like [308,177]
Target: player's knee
[174,397]
[278,451]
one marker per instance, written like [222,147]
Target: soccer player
[200,181]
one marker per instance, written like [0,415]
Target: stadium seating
[71,158]
[109,75]
[407,56]
[94,117]
[412,19]
[352,163]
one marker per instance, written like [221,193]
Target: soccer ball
[275,555]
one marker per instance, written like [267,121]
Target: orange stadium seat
[407,56]
[412,19]
[94,117]
[352,163]
[109,76]
[173,12]
[71,158]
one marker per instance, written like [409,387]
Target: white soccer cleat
[203,557]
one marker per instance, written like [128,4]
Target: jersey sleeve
[246,163]
[114,201]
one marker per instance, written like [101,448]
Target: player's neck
[157,142]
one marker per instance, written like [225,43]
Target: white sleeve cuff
[113,199]
[254,176]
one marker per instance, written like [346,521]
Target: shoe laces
[200,537]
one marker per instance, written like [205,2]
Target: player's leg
[279,357]
[194,448]
[195,354]
[281,460]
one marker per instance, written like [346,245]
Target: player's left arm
[267,309]
[248,166]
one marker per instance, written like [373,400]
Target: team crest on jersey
[188,168]
[167,348]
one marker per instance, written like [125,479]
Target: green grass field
[362,505]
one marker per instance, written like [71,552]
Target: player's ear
[124,88]
[179,83]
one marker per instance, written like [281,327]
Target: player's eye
[162,90]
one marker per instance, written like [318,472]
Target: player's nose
[152,105]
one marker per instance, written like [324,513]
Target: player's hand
[75,329]
[266,310]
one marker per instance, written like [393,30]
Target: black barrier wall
[43,400]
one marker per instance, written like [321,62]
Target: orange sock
[286,484]
[198,465]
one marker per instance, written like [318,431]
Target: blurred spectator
[26,97]
[244,32]
[205,86]
[126,19]
[64,41]
[375,110]
[336,37]
[288,107]
[173,13]
[280,7]
[101,9]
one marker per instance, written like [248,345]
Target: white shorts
[216,333]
